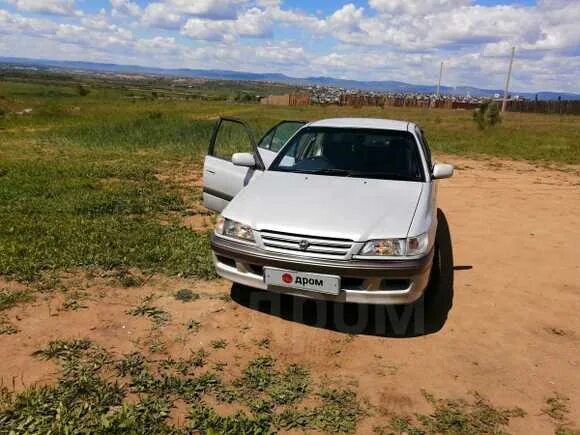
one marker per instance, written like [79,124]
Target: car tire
[438,298]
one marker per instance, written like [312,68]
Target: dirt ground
[513,334]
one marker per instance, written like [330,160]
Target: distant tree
[154,94]
[83,91]
[245,97]
[492,114]
[487,115]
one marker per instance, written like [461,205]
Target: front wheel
[438,298]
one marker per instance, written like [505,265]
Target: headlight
[237,230]
[396,247]
[387,247]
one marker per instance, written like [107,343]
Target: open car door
[222,180]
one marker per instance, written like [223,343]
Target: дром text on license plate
[302,280]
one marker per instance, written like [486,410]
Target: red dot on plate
[287,278]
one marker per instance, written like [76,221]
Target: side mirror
[244,159]
[442,170]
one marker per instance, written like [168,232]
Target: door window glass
[267,139]
[278,135]
[283,132]
[231,138]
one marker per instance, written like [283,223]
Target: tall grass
[85,195]
[153,130]
[57,215]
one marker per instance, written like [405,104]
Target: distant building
[287,100]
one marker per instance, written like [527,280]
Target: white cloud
[160,15]
[158,45]
[114,38]
[125,7]
[17,24]
[211,9]
[346,19]
[56,7]
[416,7]
[255,23]
[97,22]
[208,30]
[283,55]
[485,29]
[295,18]
[172,14]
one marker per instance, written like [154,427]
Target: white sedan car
[339,209]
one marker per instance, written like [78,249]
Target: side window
[308,146]
[284,132]
[231,138]
[425,146]
[267,140]
[302,147]
[277,137]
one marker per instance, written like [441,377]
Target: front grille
[312,246]
[352,283]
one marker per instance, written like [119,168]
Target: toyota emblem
[304,245]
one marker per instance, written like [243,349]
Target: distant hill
[388,85]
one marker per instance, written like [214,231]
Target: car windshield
[348,152]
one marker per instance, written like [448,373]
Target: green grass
[7,328]
[558,410]
[454,417]
[193,325]
[557,407]
[186,295]
[219,344]
[97,394]
[157,315]
[91,209]
[9,298]
[61,349]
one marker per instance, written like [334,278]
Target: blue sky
[359,39]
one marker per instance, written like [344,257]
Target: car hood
[327,206]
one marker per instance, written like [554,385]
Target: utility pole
[439,82]
[507,82]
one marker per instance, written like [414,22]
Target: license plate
[302,280]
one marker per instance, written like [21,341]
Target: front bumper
[387,282]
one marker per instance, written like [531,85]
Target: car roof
[374,123]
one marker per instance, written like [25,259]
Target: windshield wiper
[327,171]
[360,174]
[382,175]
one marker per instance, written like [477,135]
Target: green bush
[487,115]
[83,91]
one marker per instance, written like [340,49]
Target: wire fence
[555,107]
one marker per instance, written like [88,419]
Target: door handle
[210,171]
